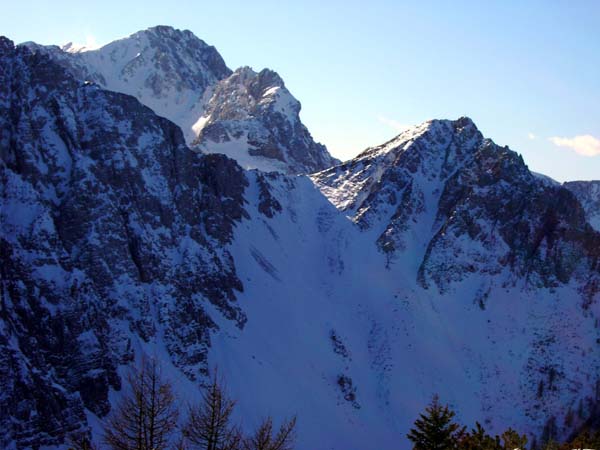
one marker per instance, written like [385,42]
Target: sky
[527,72]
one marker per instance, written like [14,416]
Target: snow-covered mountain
[253,118]
[110,226]
[250,117]
[459,205]
[588,194]
[171,71]
[434,263]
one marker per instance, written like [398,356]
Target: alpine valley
[155,202]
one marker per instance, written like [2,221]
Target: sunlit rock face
[253,118]
[248,116]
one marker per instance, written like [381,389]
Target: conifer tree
[146,416]
[435,429]
[512,440]
[585,439]
[478,439]
[209,426]
[551,445]
[263,438]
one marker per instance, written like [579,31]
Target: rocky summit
[250,117]
[433,263]
[254,119]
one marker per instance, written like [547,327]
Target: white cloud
[394,124]
[585,145]
[531,136]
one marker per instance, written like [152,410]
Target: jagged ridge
[185,80]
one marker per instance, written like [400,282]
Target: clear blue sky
[525,71]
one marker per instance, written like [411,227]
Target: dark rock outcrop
[588,194]
[110,226]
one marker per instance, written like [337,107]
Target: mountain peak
[245,114]
[167,32]
[164,30]
[464,122]
[254,118]
[433,135]
[151,37]
[266,78]
[166,69]
[424,157]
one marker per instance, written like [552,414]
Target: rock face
[434,263]
[475,205]
[250,117]
[169,70]
[254,118]
[588,194]
[110,227]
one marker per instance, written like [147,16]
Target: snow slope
[357,350]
